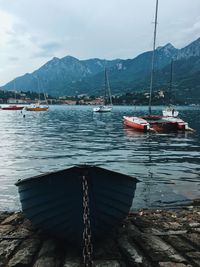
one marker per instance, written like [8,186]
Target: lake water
[168,165]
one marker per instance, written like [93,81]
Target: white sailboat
[170,111]
[105,107]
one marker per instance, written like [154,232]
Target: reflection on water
[166,164]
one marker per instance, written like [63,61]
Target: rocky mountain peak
[69,58]
[55,59]
[169,50]
[191,50]
[62,76]
[169,46]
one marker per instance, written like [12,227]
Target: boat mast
[170,82]
[153,57]
[15,92]
[109,91]
[105,85]
[38,85]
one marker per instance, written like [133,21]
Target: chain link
[87,244]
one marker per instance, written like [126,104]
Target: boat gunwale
[78,167]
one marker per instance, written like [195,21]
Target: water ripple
[166,164]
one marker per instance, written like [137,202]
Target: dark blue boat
[54,201]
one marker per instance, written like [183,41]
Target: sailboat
[170,111]
[151,122]
[12,106]
[38,106]
[105,107]
[148,122]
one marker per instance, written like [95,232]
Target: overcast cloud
[34,31]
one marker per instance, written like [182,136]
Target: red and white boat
[151,123]
[181,125]
[156,123]
[159,124]
[12,107]
[137,123]
[169,122]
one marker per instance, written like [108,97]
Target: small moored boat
[136,123]
[169,122]
[156,123]
[180,124]
[152,123]
[107,106]
[103,109]
[54,201]
[170,112]
[12,107]
[37,107]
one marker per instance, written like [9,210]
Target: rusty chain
[87,243]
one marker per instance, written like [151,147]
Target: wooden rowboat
[54,201]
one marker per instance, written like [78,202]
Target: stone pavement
[147,238]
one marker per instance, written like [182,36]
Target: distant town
[160,97]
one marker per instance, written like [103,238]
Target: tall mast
[15,91]
[108,87]
[38,85]
[170,82]
[105,83]
[153,57]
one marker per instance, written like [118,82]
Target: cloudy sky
[34,31]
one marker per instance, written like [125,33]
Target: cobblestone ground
[147,238]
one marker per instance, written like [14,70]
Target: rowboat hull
[54,201]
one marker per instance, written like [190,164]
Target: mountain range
[71,76]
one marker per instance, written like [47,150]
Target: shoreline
[148,237]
